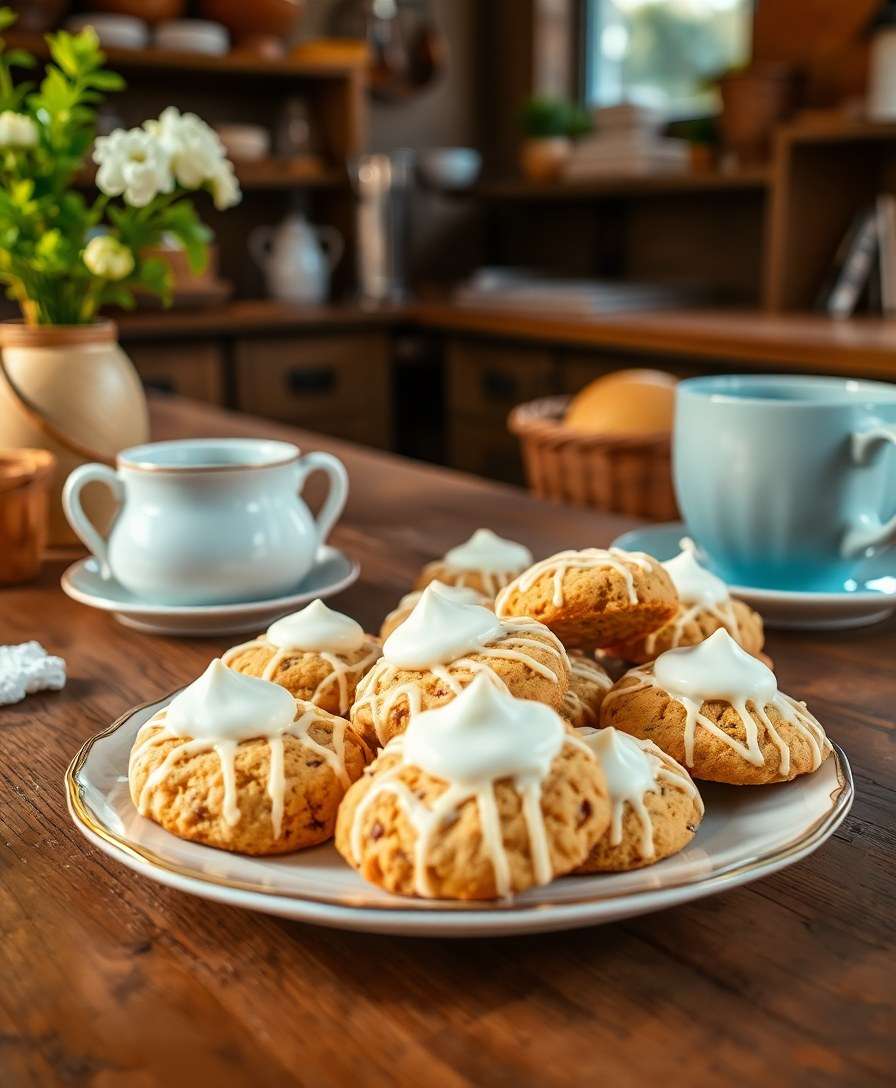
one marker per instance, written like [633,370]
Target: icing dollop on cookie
[224,705]
[694,583]
[439,630]
[317,628]
[458,594]
[487,551]
[484,735]
[717,668]
[630,773]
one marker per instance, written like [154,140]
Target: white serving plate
[332,573]
[748,832]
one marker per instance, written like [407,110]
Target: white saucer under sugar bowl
[209,521]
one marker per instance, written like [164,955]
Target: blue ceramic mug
[787,482]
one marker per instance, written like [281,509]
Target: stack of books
[533,290]
[626,140]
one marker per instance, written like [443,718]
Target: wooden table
[107,979]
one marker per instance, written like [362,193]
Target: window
[659,53]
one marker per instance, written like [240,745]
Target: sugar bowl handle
[71,503]
[870,531]
[338,493]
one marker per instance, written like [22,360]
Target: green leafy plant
[63,257]
[544,118]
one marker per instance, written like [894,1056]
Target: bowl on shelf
[193,36]
[243,20]
[450,167]
[113,31]
[245,143]
[150,11]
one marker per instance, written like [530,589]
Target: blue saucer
[869,598]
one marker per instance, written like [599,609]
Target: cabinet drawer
[301,380]
[189,369]
[485,450]
[486,381]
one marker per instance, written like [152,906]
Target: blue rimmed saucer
[331,573]
[868,598]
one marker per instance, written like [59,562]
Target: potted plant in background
[550,125]
[65,384]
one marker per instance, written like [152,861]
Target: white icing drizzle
[558,565]
[481,737]
[634,768]
[221,710]
[460,594]
[437,639]
[438,630]
[318,630]
[589,671]
[721,670]
[699,590]
[317,627]
[486,551]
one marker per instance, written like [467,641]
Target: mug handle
[71,503]
[332,243]
[261,241]
[338,493]
[870,532]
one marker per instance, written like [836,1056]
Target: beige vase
[70,389]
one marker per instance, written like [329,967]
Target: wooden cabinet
[484,382]
[338,385]
[189,368]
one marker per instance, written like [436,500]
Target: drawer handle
[498,386]
[160,385]
[320,380]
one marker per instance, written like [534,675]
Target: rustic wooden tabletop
[109,979]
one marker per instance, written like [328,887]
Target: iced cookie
[717,710]
[705,605]
[317,654]
[461,594]
[596,597]
[588,684]
[236,762]
[431,657]
[656,807]
[485,562]
[479,798]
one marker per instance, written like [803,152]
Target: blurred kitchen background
[458,210]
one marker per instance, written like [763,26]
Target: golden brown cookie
[235,802]
[525,657]
[656,807]
[757,736]
[326,679]
[692,625]
[528,807]
[588,684]
[485,563]
[406,605]
[593,598]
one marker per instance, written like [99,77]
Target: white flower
[107,258]
[193,148]
[17,130]
[133,163]
[225,189]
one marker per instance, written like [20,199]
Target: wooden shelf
[753,338]
[630,185]
[267,174]
[165,60]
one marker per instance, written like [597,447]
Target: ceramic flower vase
[70,389]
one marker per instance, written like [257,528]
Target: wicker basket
[625,475]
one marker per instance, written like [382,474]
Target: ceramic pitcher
[209,521]
[297,258]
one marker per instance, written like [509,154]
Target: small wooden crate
[622,474]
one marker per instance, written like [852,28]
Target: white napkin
[27,668]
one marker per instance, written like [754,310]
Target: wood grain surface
[108,979]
